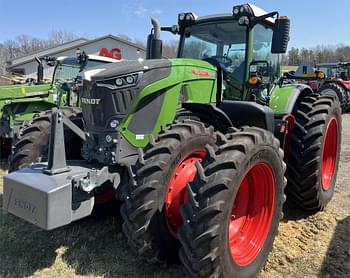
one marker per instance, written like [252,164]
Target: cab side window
[262,40]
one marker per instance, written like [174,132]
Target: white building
[110,46]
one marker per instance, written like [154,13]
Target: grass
[90,247]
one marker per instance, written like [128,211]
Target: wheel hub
[329,157]
[177,194]
[252,214]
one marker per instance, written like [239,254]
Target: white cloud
[157,11]
[140,10]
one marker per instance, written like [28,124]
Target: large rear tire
[32,145]
[314,151]
[234,208]
[151,211]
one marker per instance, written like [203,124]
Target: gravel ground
[315,246]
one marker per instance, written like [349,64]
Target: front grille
[122,100]
[111,104]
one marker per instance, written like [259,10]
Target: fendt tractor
[20,103]
[196,147]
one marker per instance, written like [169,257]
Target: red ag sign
[115,53]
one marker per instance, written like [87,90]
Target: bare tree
[24,44]
[170,48]
[58,37]
[318,54]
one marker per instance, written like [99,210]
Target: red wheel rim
[105,196]
[330,150]
[177,194]
[252,214]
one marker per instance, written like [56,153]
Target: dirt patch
[316,246]
[319,245]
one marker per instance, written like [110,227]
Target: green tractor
[200,149]
[20,103]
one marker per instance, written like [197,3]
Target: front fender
[283,99]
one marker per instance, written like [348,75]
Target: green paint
[19,103]
[281,97]
[249,59]
[199,77]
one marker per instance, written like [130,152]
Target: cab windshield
[68,69]
[222,41]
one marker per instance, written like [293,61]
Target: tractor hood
[125,67]
[130,96]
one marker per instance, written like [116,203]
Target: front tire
[151,211]
[33,143]
[234,208]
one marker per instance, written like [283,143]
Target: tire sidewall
[158,223]
[230,268]
[326,195]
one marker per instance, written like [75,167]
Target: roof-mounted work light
[185,19]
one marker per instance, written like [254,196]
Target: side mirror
[82,59]
[65,87]
[280,36]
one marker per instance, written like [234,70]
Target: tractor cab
[65,72]
[244,46]
[339,70]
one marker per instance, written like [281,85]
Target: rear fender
[283,99]
[234,114]
[210,114]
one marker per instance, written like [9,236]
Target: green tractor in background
[20,103]
[200,149]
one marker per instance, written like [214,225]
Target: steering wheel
[223,60]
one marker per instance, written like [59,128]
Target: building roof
[46,52]
[64,47]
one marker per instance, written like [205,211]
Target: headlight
[119,82]
[114,123]
[181,17]
[243,20]
[130,79]
[236,11]
[186,19]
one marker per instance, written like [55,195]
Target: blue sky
[311,20]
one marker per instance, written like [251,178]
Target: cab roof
[256,10]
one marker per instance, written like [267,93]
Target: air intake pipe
[154,43]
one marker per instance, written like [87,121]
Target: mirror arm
[263,17]
[171,29]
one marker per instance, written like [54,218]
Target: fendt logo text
[94,101]
[25,205]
